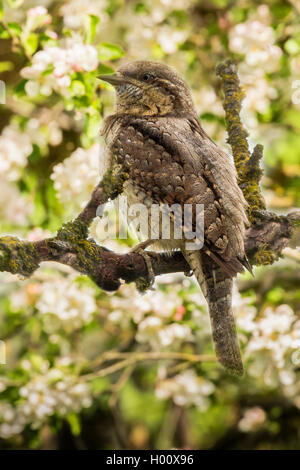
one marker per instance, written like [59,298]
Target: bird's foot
[140,249]
[142,246]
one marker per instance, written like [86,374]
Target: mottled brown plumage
[156,133]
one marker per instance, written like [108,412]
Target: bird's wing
[174,161]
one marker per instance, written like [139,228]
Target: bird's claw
[140,249]
[141,246]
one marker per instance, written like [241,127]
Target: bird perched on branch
[155,131]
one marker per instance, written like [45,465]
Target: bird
[170,159]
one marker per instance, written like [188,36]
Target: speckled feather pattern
[169,171]
[172,160]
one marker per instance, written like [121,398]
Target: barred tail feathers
[216,286]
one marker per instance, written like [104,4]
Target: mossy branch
[246,163]
[268,235]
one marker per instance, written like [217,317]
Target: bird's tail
[216,286]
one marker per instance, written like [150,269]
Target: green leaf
[6,66]
[220,3]
[14,28]
[91,24]
[31,43]
[35,154]
[108,51]
[48,70]
[14,3]
[19,90]
[37,361]
[280,10]
[74,423]
[292,46]
[46,39]
[275,295]
[1,9]
[4,34]
[133,403]
[92,125]
[99,384]
[102,69]
[77,88]
[141,8]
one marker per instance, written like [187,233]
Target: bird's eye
[146,77]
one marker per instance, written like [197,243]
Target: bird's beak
[114,78]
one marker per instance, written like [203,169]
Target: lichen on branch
[18,257]
[246,163]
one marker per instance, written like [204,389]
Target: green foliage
[31,43]
[4,34]
[107,51]
[14,29]
[14,3]
[74,423]
[133,403]
[91,25]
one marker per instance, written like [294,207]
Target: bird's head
[148,88]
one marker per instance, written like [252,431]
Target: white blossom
[256,41]
[14,207]
[131,304]
[51,391]
[185,389]
[244,312]
[206,101]
[76,177]
[42,132]
[36,17]
[169,39]
[277,332]
[151,330]
[37,234]
[255,38]
[73,305]
[74,12]
[258,92]
[252,419]
[12,421]
[71,56]
[15,147]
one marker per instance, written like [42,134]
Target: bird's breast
[140,205]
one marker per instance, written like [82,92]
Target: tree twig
[131,358]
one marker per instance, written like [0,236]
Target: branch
[247,164]
[267,236]
[269,233]
[132,358]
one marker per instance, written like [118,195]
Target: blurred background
[58,388]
